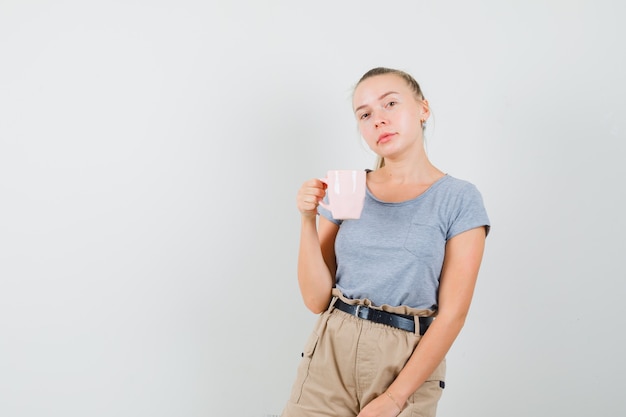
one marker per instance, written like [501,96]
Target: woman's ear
[424,110]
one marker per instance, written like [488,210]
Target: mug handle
[321,203]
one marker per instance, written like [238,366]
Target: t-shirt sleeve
[469,212]
[326,213]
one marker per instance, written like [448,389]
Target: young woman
[377,282]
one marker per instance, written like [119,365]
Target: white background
[150,153]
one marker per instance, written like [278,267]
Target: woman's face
[388,114]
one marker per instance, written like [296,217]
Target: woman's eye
[364,116]
[391,104]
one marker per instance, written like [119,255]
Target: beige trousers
[348,361]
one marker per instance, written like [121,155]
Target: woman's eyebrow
[379,98]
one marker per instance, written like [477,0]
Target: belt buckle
[362,312]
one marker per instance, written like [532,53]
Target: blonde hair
[380,162]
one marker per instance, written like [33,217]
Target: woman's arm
[316,256]
[461,264]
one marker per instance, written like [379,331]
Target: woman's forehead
[377,86]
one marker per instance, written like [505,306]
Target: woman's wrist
[393,399]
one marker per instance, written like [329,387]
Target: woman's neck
[408,171]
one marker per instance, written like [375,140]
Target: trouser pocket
[303,369]
[423,402]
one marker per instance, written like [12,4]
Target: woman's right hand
[310,194]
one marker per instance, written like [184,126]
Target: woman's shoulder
[454,183]
[453,189]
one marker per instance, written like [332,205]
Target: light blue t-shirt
[394,253]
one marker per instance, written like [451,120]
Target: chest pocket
[425,241]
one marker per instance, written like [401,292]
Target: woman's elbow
[453,319]
[316,305]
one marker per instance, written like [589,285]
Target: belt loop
[331,307]
[417,330]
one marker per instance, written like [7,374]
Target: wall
[150,153]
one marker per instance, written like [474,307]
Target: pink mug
[346,193]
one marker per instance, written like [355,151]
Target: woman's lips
[385,137]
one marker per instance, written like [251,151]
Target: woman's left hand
[381,406]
